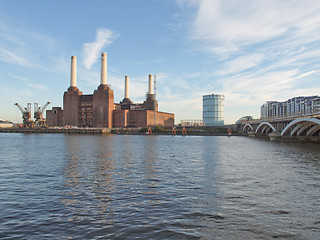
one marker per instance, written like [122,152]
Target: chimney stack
[103,80]
[150,84]
[126,87]
[73,75]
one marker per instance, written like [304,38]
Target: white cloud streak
[228,26]
[104,37]
[37,86]
[241,63]
[12,58]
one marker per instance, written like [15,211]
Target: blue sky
[250,51]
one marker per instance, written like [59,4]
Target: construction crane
[38,115]
[26,115]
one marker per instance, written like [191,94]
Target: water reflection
[150,164]
[89,169]
[73,178]
[103,172]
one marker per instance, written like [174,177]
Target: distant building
[99,109]
[54,117]
[6,124]
[297,106]
[192,123]
[244,119]
[213,110]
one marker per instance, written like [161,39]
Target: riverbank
[122,131]
[57,130]
[159,131]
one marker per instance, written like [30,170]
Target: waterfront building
[54,117]
[213,110]
[99,110]
[294,107]
[192,123]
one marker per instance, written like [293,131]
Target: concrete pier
[275,136]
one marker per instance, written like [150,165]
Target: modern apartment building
[297,106]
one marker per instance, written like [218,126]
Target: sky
[250,51]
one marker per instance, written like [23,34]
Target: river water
[157,187]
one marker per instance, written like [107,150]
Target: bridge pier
[251,134]
[315,138]
[286,137]
[274,136]
[302,138]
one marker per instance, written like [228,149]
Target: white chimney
[150,84]
[126,87]
[103,69]
[73,75]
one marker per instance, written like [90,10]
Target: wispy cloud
[12,58]
[18,77]
[29,84]
[37,86]
[241,63]
[228,26]
[24,46]
[104,37]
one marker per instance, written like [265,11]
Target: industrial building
[213,110]
[297,106]
[98,110]
[192,123]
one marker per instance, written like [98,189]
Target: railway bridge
[305,127]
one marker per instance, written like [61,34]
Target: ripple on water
[126,187]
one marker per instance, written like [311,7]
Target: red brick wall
[163,119]
[120,118]
[137,118]
[54,117]
[103,105]
[143,118]
[71,106]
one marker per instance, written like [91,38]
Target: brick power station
[98,110]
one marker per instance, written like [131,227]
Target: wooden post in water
[184,132]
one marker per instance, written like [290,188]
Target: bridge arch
[303,129]
[302,124]
[247,127]
[313,130]
[265,126]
